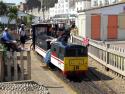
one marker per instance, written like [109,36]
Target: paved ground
[41,74]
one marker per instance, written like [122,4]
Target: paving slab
[41,74]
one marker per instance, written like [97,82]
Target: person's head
[22,26]
[6,29]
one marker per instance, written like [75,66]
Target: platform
[41,74]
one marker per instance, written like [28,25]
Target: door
[112,27]
[95,27]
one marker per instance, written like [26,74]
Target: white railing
[107,54]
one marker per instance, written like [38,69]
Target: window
[61,53]
[76,52]
[66,0]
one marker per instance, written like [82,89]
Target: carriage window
[76,52]
[80,52]
[70,53]
[54,49]
[61,53]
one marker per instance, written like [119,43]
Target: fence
[108,55]
[17,66]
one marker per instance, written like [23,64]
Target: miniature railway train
[69,58]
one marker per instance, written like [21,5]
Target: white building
[103,23]
[97,3]
[62,7]
[82,4]
[69,8]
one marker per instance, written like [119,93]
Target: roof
[101,7]
[41,24]
[67,45]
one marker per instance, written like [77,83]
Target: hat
[6,28]
[22,24]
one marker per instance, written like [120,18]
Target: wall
[104,12]
[4,20]
[82,24]
[104,24]
[121,25]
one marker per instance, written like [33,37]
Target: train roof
[67,45]
[41,24]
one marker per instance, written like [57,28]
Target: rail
[107,54]
[17,66]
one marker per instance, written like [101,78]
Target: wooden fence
[16,66]
[107,54]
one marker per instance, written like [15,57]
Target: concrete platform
[41,74]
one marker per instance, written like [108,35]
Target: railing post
[1,66]
[15,66]
[29,64]
[107,53]
[8,64]
[22,65]
[107,56]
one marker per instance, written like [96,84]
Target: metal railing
[107,54]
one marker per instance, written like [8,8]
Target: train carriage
[69,58]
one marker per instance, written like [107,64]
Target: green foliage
[48,3]
[34,4]
[1,26]
[12,13]
[11,16]
[13,10]
[44,4]
[28,20]
[25,19]
[3,8]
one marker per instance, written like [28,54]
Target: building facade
[103,23]
[82,4]
[62,7]
[97,3]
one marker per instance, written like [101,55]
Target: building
[22,7]
[67,9]
[103,23]
[82,4]
[97,3]
[62,7]
[4,19]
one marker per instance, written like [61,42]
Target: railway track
[91,83]
[106,88]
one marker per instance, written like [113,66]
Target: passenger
[22,34]
[65,36]
[8,41]
[47,58]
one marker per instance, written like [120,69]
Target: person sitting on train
[64,36]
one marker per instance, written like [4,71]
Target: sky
[14,1]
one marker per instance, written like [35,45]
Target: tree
[3,8]
[46,4]
[13,10]
[12,14]
[49,3]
